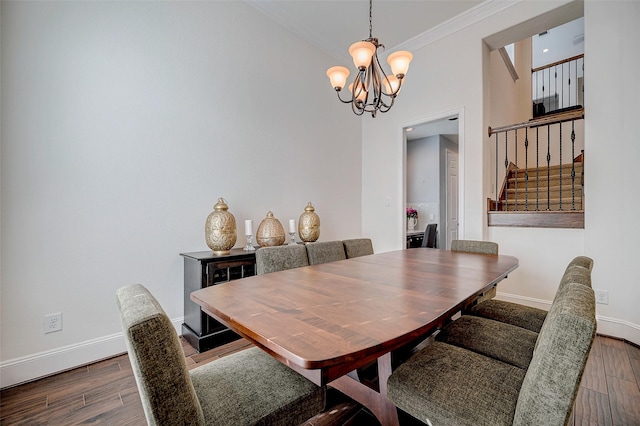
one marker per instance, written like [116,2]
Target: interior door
[452,197]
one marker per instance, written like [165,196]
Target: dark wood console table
[414,239]
[204,269]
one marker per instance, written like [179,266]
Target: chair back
[582,261]
[430,233]
[357,247]
[325,251]
[157,359]
[551,383]
[279,258]
[472,246]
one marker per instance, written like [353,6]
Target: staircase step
[552,191]
[543,182]
[553,170]
[553,204]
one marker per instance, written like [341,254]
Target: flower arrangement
[412,213]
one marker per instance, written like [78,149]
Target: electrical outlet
[52,323]
[602,297]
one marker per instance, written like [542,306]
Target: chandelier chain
[370,19]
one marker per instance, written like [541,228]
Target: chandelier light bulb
[391,85]
[360,94]
[338,77]
[362,52]
[399,62]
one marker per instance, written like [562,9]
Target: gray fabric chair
[325,251]
[577,271]
[279,258]
[450,384]
[357,247]
[484,247]
[523,316]
[504,342]
[246,388]
[472,246]
[583,261]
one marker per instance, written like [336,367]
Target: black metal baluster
[543,87]
[506,171]
[537,170]
[560,208]
[573,166]
[555,83]
[496,188]
[516,169]
[526,169]
[548,87]
[562,86]
[548,169]
[582,78]
[569,82]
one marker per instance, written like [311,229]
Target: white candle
[292,225]
[248,227]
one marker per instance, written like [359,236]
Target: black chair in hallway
[430,233]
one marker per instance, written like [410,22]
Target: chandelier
[371,90]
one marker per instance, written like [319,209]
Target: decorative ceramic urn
[270,232]
[220,228]
[309,224]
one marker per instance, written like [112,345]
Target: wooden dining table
[325,321]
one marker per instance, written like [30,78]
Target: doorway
[432,175]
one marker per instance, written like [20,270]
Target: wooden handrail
[564,61]
[560,117]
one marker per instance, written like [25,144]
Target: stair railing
[558,86]
[547,129]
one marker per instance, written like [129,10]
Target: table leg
[378,403]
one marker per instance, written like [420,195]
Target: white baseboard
[31,367]
[529,301]
[619,328]
[607,326]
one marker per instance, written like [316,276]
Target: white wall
[122,123]
[461,81]
[611,218]
[423,170]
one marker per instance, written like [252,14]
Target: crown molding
[457,23]
[444,29]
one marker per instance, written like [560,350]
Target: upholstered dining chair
[528,317]
[357,247]
[473,246]
[246,388]
[279,258]
[325,251]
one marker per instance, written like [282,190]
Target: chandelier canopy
[372,90]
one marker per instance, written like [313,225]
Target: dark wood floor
[105,393]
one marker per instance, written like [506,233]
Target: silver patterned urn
[270,232]
[220,228]
[309,225]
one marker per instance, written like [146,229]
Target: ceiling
[333,25]
[447,127]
